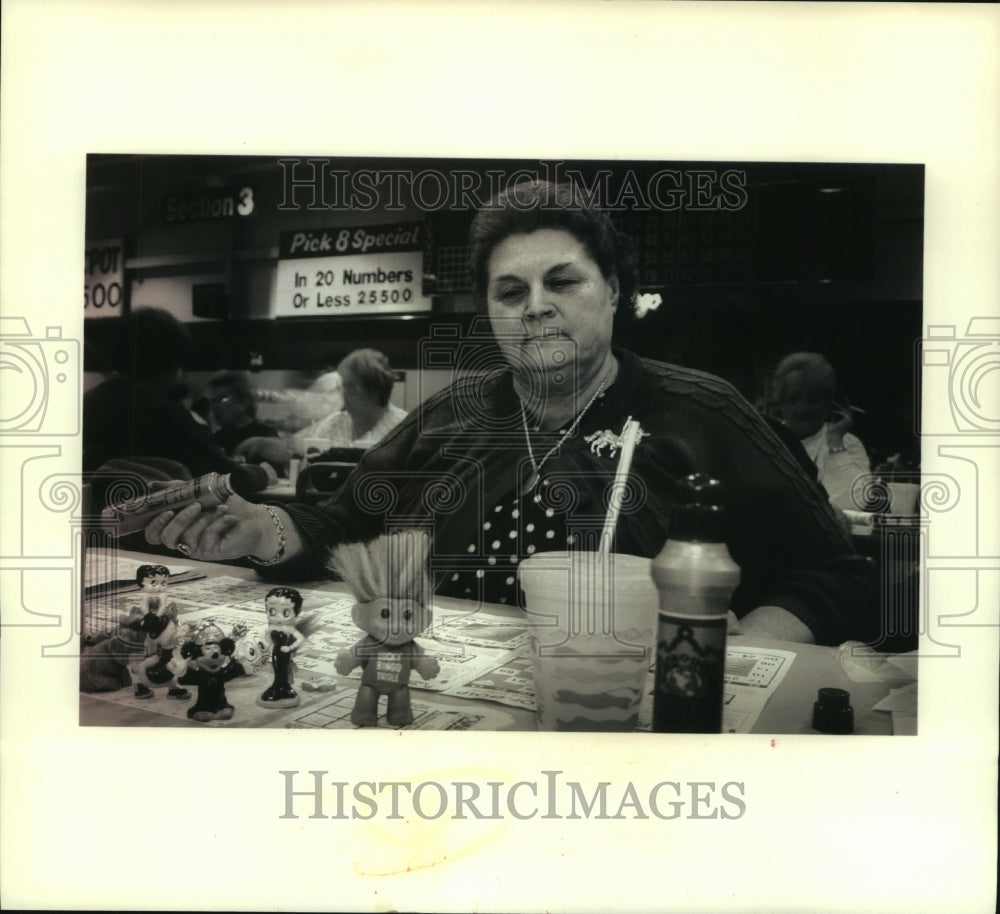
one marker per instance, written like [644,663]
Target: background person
[804,391]
[137,411]
[233,410]
[518,458]
[367,415]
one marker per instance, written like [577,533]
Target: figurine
[107,656]
[163,665]
[288,632]
[153,581]
[209,667]
[389,579]
[251,647]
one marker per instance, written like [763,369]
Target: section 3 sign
[372,269]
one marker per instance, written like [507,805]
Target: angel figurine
[389,579]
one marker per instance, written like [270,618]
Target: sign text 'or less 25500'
[355,270]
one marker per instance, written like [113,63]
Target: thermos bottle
[695,576]
[209,490]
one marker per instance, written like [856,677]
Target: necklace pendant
[530,484]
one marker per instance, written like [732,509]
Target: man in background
[233,410]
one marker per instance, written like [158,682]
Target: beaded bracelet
[280,527]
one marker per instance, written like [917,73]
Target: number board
[372,269]
[683,248]
[103,278]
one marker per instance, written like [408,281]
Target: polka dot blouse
[513,530]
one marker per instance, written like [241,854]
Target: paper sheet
[753,674]
[106,565]
[902,705]
[900,701]
[334,714]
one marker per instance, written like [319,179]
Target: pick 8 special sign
[372,269]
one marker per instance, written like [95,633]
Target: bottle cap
[248,478]
[832,712]
[698,511]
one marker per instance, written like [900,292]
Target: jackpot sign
[103,278]
[372,269]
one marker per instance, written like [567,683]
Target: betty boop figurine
[163,664]
[287,632]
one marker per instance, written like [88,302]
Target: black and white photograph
[436,362]
[612,383]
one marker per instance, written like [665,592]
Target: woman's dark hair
[372,369]
[151,344]
[532,205]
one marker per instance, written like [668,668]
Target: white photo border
[101,819]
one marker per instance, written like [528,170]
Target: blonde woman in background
[366,385]
[804,398]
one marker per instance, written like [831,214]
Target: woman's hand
[264,450]
[839,424]
[775,622]
[230,531]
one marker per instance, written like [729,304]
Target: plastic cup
[592,620]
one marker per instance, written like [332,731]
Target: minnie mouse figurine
[209,667]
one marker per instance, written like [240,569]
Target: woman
[519,459]
[367,416]
[233,409]
[804,391]
[137,412]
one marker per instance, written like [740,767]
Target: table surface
[788,711]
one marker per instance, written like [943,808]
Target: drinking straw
[630,434]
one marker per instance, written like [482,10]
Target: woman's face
[228,409]
[549,304]
[353,391]
[803,406]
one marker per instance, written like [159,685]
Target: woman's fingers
[192,536]
[157,485]
[225,532]
[841,419]
[223,537]
[154,529]
[255,450]
[170,535]
[245,447]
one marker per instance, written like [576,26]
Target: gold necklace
[536,466]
